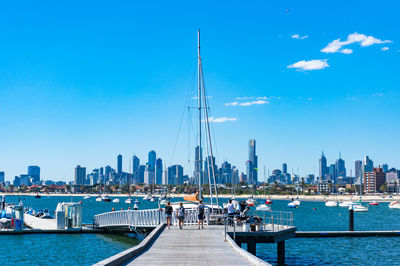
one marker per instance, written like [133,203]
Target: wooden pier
[213,245]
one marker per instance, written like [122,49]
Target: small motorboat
[116,200]
[394,205]
[128,201]
[373,203]
[250,202]
[331,203]
[135,207]
[106,199]
[152,199]
[292,205]
[86,197]
[37,196]
[137,202]
[297,202]
[360,208]
[147,197]
[263,207]
[345,204]
[99,198]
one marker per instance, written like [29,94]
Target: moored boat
[373,203]
[394,205]
[331,203]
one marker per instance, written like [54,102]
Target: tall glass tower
[252,163]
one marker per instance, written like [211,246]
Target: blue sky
[82,82]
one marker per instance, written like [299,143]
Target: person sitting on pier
[242,207]
[180,212]
[168,213]
[200,214]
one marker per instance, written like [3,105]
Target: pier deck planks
[191,246]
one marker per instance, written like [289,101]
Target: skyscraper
[119,164]
[340,167]
[34,173]
[152,160]
[323,170]
[368,166]
[80,175]
[252,163]
[284,168]
[198,159]
[357,169]
[385,168]
[373,180]
[1,177]
[159,171]
[135,169]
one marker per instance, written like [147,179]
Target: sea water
[86,249]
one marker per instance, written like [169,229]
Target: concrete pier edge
[250,257]
[130,253]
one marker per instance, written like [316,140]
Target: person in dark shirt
[168,213]
[200,214]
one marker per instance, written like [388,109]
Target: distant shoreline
[316,198]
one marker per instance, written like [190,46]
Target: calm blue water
[88,249]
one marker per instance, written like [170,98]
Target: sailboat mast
[199,103]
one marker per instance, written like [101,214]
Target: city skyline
[114,82]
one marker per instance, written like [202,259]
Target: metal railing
[269,221]
[152,217]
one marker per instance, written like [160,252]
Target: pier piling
[281,252]
[351,218]
[251,247]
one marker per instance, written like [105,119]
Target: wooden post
[351,218]
[281,252]
[251,247]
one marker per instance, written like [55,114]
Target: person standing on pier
[180,212]
[200,214]
[168,213]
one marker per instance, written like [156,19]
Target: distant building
[252,164]
[152,160]
[385,168]
[340,168]
[175,175]
[2,177]
[159,171]
[34,173]
[368,166]
[373,180]
[325,186]
[142,169]
[119,164]
[242,177]
[332,172]
[392,180]
[198,170]
[284,168]
[148,175]
[358,170]
[80,175]
[135,169]
[323,170]
[226,173]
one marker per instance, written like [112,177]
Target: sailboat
[358,207]
[203,116]
[129,200]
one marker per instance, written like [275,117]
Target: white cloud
[244,98]
[221,119]
[346,51]
[298,37]
[232,104]
[385,48]
[364,40]
[260,100]
[310,65]
[253,102]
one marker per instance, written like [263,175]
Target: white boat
[86,197]
[99,199]
[263,207]
[360,208]
[115,200]
[147,197]
[106,198]
[250,202]
[296,202]
[345,204]
[137,202]
[128,201]
[163,202]
[292,205]
[135,207]
[331,203]
[394,205]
